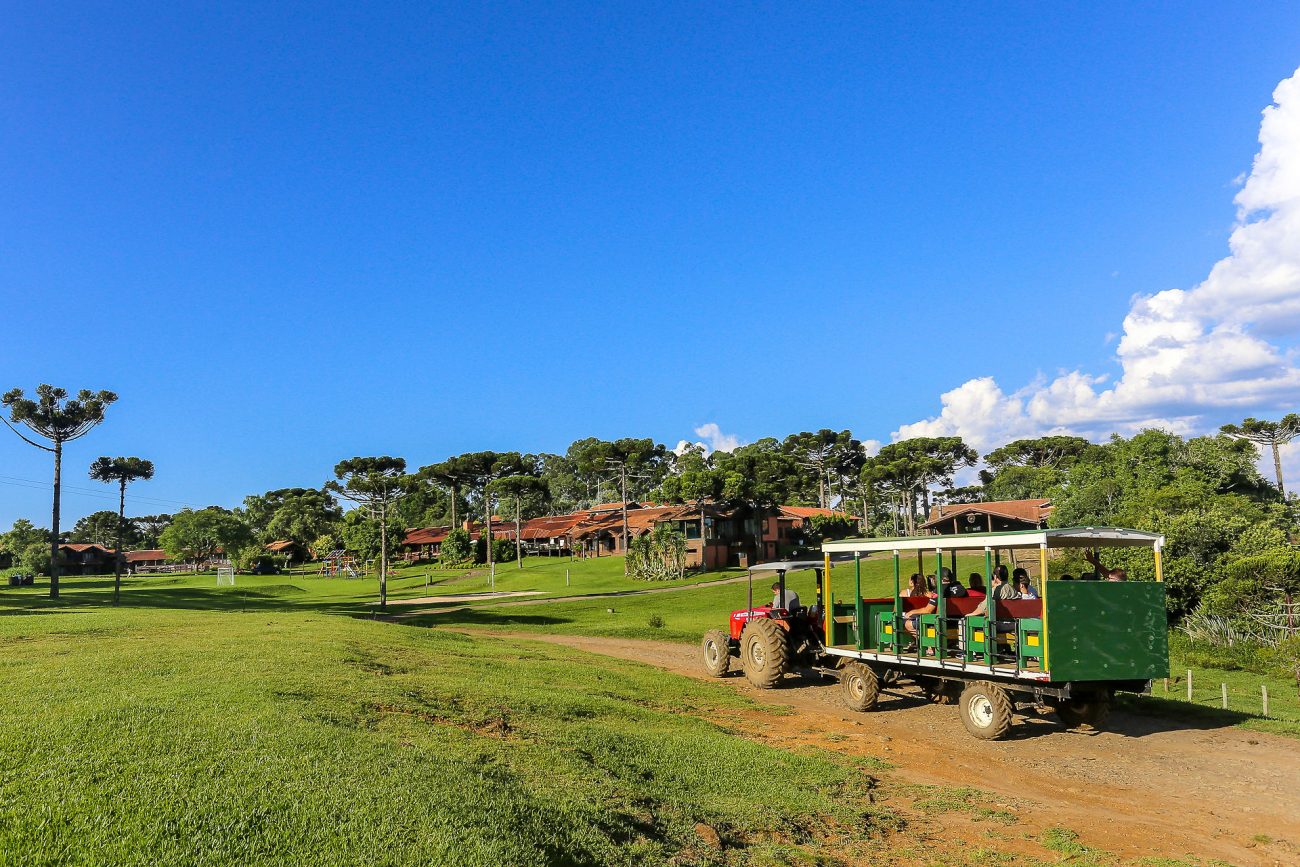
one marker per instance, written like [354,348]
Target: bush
[35,558]
[503,551]
[656,622]
[657,556]
[456,548]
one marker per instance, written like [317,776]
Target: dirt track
[1146,787]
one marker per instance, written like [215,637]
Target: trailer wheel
[1092,711]
[716,651]
[986,710]
[764,653]
[860,686]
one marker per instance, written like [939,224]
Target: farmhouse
[716,536]
[289,549]
[992,517]
[85,559]
[146,559]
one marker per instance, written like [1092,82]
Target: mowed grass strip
[135,737]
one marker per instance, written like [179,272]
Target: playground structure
[340,563]
[1070,650]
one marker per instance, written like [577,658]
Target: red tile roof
[280,545]
[810,511]
[1031,511]
[145,554]
[82,547]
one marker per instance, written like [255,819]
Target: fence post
[1223,691]
[1263,694]
[566,577]
[1189,684]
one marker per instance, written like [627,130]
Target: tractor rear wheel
[860,686]
[986,710]
[716,651]
[764,653]
[1091,711]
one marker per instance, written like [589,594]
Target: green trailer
[1071,649]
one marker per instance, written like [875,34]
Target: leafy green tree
[303,516]
[1205,495]
[1031,468]
[693,479]
[457,547]
[150,527]
[517,489]
[20,536]
[197,535]
[100,528]
[759,477]
[1273,434]
[908,469]
[60,420]
[376,484]
[35,558]
[827,456]
[455,475]
[632,464]
[123,471]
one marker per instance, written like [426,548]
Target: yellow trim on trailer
[1160,571]
[826,597]
[1042,595]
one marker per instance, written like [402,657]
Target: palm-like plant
[58,420]
[123,471]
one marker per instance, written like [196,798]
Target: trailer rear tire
[716,653]
[986,710]
[860,686]
[1092,711]
[764,653]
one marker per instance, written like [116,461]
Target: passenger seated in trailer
[951,586]
[1002,590]
[1110,574]
[915,586]
[1024,589]
[790,601]
[975,584]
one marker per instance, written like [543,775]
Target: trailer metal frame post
[1042,596]
[940,606]
[920,563]
[898,604]
[857,598]
[828,601]
[1160,571]
[990,609]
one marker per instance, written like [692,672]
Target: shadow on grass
[483,617]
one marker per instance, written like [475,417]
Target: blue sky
[288,237]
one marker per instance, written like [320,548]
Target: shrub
[656,622]
[35,558]
[456,548]
[657,556]
[503,551]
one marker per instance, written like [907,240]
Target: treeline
[1204,493]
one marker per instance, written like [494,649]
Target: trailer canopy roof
[787,566]
[1067,537]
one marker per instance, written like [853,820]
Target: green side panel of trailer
[1103,630]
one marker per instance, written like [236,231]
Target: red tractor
[771,640]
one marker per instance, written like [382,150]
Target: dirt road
[1146,787]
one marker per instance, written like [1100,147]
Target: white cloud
[1189,358]
[714,440]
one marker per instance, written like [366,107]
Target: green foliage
[828,463]
[53,415]
[35,558]
[197,535]
[22,534]
[659,555]
[100,528]
[457,547]
[822,527]
[907,469]
[503,551]
[360,534]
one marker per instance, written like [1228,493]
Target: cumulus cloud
[1189,359]
[714,440]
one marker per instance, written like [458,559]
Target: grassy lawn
[137,736]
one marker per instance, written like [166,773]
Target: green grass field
[151,736]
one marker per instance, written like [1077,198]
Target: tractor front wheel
[860,686]
[1092,711]
[716,651]
[764,653]
[986,710]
